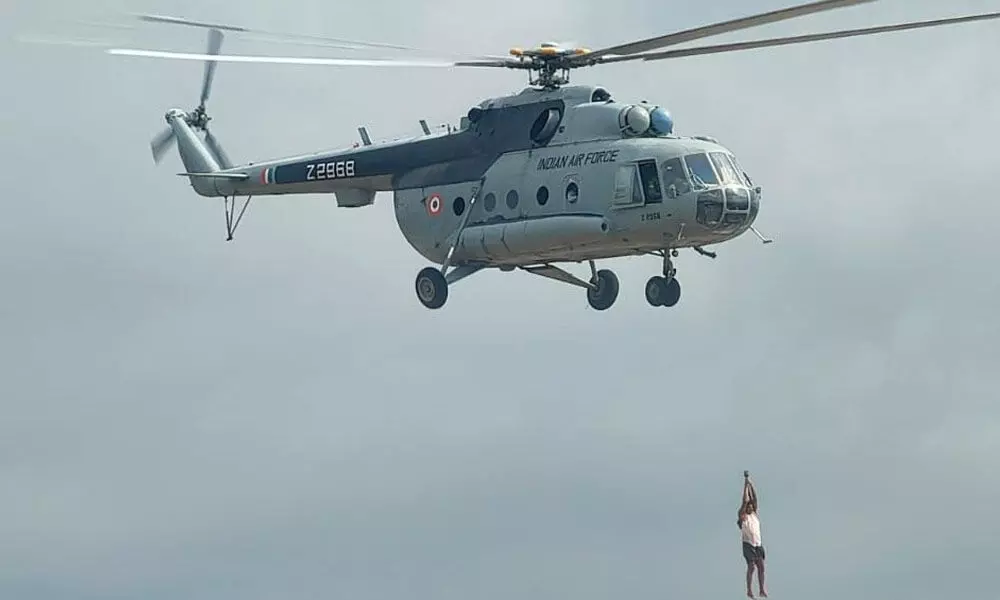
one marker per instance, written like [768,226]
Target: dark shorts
[752,553]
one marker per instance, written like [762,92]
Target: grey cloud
[278,417]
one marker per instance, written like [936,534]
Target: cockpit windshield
[700,167]
[725,201]
[742,172]
[725,168]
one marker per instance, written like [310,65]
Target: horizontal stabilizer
[216,175]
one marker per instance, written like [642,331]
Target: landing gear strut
[602,289]
[666,290]
[605,289]
[432,284]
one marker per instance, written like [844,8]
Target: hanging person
[753,548]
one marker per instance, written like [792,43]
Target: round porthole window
[490,202]
[542,195]
[458,206]
[512,199]
[572,192]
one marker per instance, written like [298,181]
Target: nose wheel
[664,290]
[661,291]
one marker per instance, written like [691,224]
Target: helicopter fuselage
[543,176]
[553,174]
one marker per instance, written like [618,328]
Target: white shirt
[751,529]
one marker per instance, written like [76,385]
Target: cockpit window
[725,168]
[702,174]
[674,175]
[743,174]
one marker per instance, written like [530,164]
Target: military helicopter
[556,173]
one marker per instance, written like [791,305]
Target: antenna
[365,138]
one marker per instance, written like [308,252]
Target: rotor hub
[199,119]
[548,64]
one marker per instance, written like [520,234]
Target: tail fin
[195,155]
[198,156]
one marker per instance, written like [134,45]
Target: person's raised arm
[744,500]
[750,493]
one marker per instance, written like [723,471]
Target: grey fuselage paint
[569,197]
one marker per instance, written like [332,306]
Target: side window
[542,195]
[702,174]
[650,181]
[490,202]
[636,187]
[512,199]
[623,185]
[572,192]
[675,180]
[628,187]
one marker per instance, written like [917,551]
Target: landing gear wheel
[660,292]
[432,288]
[656,290]
[606,293]
[671,293]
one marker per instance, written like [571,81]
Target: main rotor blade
[214,45]
[767,18]
[291,36]
[291,60]
[800,39]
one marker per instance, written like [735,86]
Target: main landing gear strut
[432,284]
[602,287]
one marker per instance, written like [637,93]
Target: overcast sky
[279,417]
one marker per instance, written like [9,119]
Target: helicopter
[553,174]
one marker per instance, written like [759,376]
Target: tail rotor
[198,118]
[161,143]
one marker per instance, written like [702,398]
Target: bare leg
[750,579]
[760,578]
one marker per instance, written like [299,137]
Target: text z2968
[330,170]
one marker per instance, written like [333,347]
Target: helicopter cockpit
[727,199]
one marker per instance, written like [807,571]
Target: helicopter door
[650,181]
[628,188]
[637,184]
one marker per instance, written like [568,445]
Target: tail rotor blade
[161,143]
[214,45]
